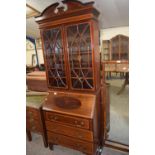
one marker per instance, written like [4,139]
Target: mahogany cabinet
[36,81]
[72,110]
[105,50]
[117,48]
[120,48]
[34,116]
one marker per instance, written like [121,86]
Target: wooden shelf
[88,78]
[80,53]
[120,47]
[82,68]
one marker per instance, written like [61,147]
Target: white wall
[107,34]
[30,51]
[29,54]
[40,56]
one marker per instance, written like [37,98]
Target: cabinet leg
[126,82]
[28,133]
[99,151]
[45,141]
[109,75]
[51,146]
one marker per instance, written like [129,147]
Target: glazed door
[124,48]
[115,50]
[120,47]
[80,56]
[54,58]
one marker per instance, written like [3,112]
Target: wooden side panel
[35,123]
[97,120]
[96,51]
[105,106]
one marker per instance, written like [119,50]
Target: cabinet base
[98,151]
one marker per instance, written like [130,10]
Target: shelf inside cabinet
[81,53]
[81,77]
[82,68]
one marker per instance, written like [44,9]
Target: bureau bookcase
[72,110]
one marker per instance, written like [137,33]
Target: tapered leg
[126,82]
[99,153]
[109,75]
[29,135]
[51,146]
[45,141]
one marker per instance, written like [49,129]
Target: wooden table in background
[119,66]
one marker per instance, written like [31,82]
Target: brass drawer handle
[75,122]
[54,118]
[31,120]
[30,113]
[79,124]
[82,123]
[33,127]
[79,136]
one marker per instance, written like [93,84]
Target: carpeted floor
[119,112]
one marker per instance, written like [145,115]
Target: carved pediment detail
[63,7]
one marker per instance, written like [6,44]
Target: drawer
[82,146]
[32,113]
[68,130]
[68,120]
[33,125]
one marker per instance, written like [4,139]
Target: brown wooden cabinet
[106,50]
[72,111]
[120,47]
[34,116]
[117,48]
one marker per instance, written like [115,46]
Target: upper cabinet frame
[70,36]
[120,47]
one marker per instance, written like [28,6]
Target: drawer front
[32,113]
[33,125]
[71,131]
[68,120]
[82,146]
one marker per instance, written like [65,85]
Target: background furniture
[116,67]
[117,48]
[36,81]
[34,119]
[106,50]
[71,51]
[126,82]
[29,69]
